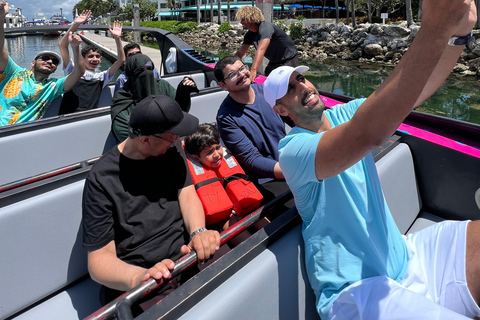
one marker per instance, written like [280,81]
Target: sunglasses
[46,58]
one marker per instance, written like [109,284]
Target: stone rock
[460,68]
[373,50]
[396,31]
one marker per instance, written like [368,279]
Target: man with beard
[26,94]
[248,126]
[358,263]
[142,83]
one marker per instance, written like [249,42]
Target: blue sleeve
[297,158]
[243,149]
[156,74]
[120,82]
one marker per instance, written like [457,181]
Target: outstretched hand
[116,31]
[448,17]
[74,40]
[3,8]
[469,20]
[83,17]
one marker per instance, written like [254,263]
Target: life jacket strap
[224,181]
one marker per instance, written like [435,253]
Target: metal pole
[136,22]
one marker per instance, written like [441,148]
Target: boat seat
[199,79]
[43,265]
[105,100]
[397,177]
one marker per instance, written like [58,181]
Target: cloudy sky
[49,7]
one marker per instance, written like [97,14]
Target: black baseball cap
[159,114]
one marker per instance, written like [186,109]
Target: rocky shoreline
[366,43]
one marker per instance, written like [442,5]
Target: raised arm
[63,43]
[79,70]
[204,243]
[3,52]
[116,32]
[259,54]
[423,68]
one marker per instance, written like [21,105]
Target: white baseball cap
[276,85]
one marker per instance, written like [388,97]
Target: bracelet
[194,233]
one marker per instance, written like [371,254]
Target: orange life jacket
[223,189]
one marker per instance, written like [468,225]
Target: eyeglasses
[170,141]
[234,74]
[46,58]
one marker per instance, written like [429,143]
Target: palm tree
[420,3]
[354,23]
[228,11]
[198,11]
[369,6]
[347,7]
[408,4]
[211,11]
[477,2]
[337,18]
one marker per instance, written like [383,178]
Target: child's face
[211,156]
[92,60]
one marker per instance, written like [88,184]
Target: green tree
[98,8]
[389,6]
[148,10]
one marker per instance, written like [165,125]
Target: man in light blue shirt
[356,259]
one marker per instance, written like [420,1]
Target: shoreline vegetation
[374,43]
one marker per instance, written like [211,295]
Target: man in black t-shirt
[269,40]
[139,203]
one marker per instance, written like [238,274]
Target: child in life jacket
[211,168]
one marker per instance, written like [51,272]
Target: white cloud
[49,7]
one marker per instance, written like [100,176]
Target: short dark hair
[206,135]
[90,47]
[130,46]
[222,64]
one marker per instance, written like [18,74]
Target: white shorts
[434,285]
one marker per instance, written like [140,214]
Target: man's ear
[33,63]
[281,110]
[223,86]
[145,140]
[195,157]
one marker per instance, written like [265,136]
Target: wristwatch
[197,232]
[460,41]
